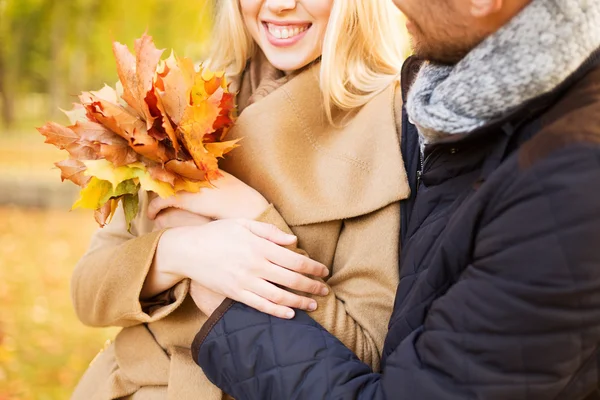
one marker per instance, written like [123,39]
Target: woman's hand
[242,260]
[231,198]
[173,217]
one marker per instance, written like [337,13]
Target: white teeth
[287,32]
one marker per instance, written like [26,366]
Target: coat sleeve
[521,322]
[108,280]
[363,282]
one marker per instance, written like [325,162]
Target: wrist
[257,206]
[166,261]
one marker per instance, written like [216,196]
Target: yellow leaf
[105,170]
[163,189]
[184,185]
[90,196]
[219,149]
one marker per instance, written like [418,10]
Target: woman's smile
[290,33]
[284,33]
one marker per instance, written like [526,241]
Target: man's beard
[438,49]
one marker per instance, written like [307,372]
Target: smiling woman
[291,35]
[302,204]
[360,56]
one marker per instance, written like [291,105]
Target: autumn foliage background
[51,51]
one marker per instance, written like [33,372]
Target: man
[499,295]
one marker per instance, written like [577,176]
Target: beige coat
[338,190]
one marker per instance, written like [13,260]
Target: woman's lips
[285,34]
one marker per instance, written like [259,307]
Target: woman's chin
[290,64]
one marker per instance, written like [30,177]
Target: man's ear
[485,8]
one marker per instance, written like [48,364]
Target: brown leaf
[82,150]
[94,132]
[58,135]
[173,85]
[168,127]
[136,74]
[159,173]
[104,214]
[73,170]
[126,125]
[119,153]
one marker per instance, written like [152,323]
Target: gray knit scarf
[531,55]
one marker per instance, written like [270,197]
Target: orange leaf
[173,86]
[219,149]
[198,121]
[129,127]
[187,169]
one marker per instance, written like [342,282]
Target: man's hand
[206,300]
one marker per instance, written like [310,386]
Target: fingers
[269,232]
[159,204]
[295,281]
[294,261]
[282,297]
[263,305]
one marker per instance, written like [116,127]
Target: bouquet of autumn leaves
[161,130]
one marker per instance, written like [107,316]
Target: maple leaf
[186,169]
[219,149]
[94,132]
[92,193]
[128,126]
[196,123]
[160,173]
[73,170]
[104,214]
[173,85]
[58,135]
[137,73]
[78,113]
[105,170]
[119,153]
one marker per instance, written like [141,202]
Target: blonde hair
[363,50]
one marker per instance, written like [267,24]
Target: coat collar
[314,172]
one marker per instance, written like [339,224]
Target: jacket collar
[527,111]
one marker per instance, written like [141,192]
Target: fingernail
[324,291]
[312,306]
[289,315]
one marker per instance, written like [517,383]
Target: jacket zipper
[420,170]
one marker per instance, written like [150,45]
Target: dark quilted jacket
[499,297]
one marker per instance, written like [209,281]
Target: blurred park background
[50,50]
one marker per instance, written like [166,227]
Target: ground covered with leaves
[44,349]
